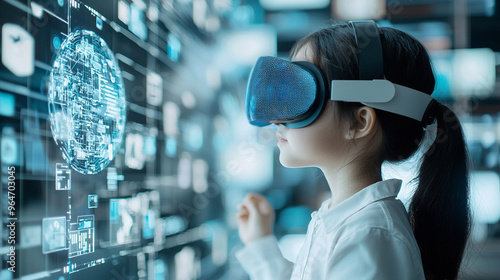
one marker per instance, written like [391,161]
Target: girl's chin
[290,163]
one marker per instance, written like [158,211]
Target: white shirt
[367,236]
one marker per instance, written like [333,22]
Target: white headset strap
[383,95]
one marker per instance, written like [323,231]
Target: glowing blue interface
[105,140]
[87,102]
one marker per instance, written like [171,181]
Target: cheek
[311,146]
[318,144]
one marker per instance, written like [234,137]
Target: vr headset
[294,93]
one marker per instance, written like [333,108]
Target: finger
[265,208]
[261,203]
[241,217]
[243,210]
[250,206]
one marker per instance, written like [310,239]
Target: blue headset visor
[281,91]
[293,93]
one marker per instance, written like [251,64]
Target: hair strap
[430,113]
[370,60]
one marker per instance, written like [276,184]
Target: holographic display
[93,200]
[63,177]
[87,102]
[134,151]
[154,89]
[124,220]
[81,241]
[54,234]
[113,179]
[137,23]
[9,146]
[150,208]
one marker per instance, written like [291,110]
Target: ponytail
[439,211]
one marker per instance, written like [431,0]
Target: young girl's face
[321,143]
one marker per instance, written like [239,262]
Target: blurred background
[159,202]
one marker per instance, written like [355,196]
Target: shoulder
[373,253]
[379,235]
[387,215]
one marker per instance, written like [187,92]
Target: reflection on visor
[280,91]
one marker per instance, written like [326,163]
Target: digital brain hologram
[87,102]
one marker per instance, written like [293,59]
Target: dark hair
[439,210]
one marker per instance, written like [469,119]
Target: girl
[363,231]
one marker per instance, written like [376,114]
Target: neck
[348,180]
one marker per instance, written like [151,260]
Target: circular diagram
[86,102]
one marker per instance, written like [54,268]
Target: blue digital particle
[114,209]
[148,222]
[173,47]
[193,133]
[149,145]
[98,23]
[171,146]
[161,269]
[7,104]
[56,42]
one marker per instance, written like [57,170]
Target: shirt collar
[333,217]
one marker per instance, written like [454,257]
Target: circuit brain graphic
[86,102]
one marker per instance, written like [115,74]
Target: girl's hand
[255,219]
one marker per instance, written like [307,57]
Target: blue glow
[56,42]
[193,135]
[113,210]
[485,196]
[98,23]
[7,275]
[137,22]
[171,146]
[148,224]
[174,47]
[7,104]
[9,147]
[149,145]
[86,222]
[160,270]
[174,224]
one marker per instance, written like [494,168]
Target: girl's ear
[365,122]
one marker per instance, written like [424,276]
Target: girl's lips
[280,137]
